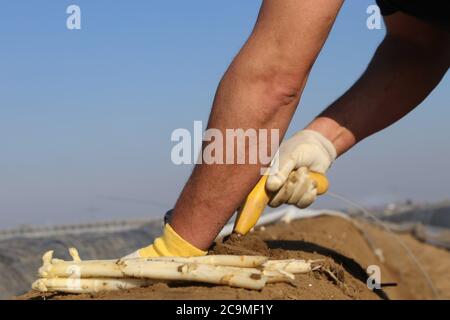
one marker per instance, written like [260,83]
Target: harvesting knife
[258,199]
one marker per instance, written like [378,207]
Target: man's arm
[406,67]
[261,89]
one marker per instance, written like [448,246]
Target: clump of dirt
[341,250]
[235,244]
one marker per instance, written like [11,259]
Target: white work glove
[306,151]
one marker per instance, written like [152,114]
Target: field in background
[21,249]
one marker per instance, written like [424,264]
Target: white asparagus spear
[69,285]
[222,260]
[290,265]
[74,254]
[218,260]
[249,278]
[102,269]
[278,276]
[54,268]
[200,269]
[85,269]
[111,268]
[93,285]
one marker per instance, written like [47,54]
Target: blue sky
[86,115]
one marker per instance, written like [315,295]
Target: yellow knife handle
[258,198]
[322,183]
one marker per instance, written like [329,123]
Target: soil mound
[345,247]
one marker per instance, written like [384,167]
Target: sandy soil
[347,249]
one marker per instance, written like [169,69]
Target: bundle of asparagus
[77,276]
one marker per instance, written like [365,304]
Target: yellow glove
[170,244]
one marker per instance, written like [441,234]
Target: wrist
[341,138]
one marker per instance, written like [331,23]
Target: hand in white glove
[289,178]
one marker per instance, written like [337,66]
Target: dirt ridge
[345,254]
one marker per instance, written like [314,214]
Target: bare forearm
[399,77]
[261,89]
[214,191]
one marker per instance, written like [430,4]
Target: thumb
[279,172]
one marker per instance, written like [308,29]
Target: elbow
[274,87]
[279,93]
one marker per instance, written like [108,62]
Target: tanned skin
[263,85]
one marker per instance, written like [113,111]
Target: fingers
[279,172]
[306,151]
[298,184]
[298,190]
[293,156]
[308,197]
[294,185]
